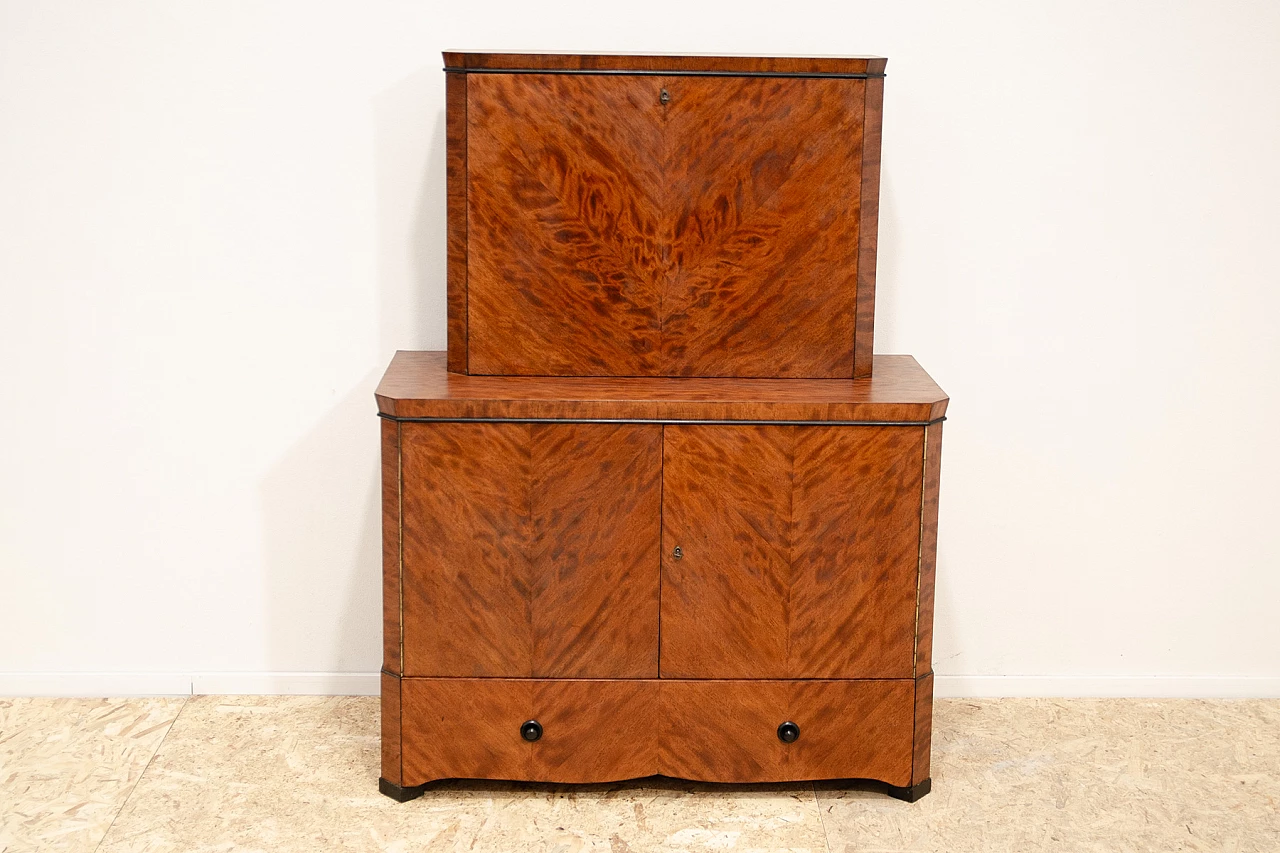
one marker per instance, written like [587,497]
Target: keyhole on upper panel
[677,553]
[665,97]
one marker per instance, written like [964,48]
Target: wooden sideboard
[658,509]
[658,576]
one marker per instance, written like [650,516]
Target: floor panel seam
[817,801]
[141,776]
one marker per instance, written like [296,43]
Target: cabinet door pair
[648,225]
[566,550]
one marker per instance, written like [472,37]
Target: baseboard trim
[93,684]
[1106,686]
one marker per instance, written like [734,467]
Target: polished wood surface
[564,257]
[593,731]
[631,225]
[727,731]
[666,62]
[391,546]
[794,541]
[456,177]
[869,238]
[763,188]
[928,547]
[417,385]
[608,730]
[923,737]
[531,549]
[391,735]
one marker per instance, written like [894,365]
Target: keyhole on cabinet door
[664,97]
[677,553]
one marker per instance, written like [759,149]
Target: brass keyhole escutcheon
[664,97]
[677,553]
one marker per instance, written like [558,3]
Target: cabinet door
[798,551]
[643,225]
[764,182]
[530,549]
[564,262]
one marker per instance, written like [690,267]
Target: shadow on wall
[322,500]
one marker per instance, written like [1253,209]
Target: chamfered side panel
[390,725]
[923,729]
[798,551]
[391,546]
[928,547]
[564,257]
[764,187]
[530,549]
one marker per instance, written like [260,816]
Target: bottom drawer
[602,730]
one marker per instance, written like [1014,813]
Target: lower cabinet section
[608,730]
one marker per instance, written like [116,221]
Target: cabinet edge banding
[656,421]
[640,72]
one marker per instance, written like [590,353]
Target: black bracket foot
[911,793]
[400,794]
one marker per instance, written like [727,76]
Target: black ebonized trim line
[664,421]
[649,73]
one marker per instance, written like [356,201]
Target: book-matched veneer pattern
[708,222]
[529,549]
[707,730]
[794,541]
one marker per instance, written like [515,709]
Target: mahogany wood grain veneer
[658,509]
[592,579]
[662,216]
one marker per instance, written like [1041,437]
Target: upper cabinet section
[662,216]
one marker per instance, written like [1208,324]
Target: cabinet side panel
[928,546]
[391,746]
[391,628]
[869,228]
[762,216]
[467,584]
[595,517]
[923,729]
[564,261]
[456,180]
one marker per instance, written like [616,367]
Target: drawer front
[799,551]
[530,549]
[608,730]
[728,731]
[467,728]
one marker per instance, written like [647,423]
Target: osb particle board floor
[300,773]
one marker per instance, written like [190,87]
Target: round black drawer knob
[788,732]
[531,731]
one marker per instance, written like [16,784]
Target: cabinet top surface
[461,60]
[418,385]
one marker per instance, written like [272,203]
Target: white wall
[218,221]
